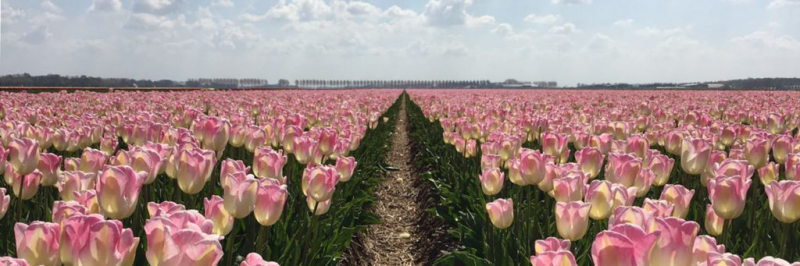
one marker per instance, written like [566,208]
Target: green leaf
[461,258]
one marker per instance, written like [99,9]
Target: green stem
[262,239]
[308,232]
[229,245]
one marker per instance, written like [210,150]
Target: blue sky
[569,41]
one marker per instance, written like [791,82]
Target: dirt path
[392,242]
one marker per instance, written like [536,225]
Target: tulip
[728,195]
[70,182]
[270,200]
[716,158]
[793,167]
[304,148]
[633,215]
[554,258]
[72,164]
[63,210]
[214,134]
[637,145]
[726,259]
[624,245]
[695,154]
[318,208]
[659,208]
[602,142]
[23,155]
[5,200]
[254,259]
[661,165]
[492,181]
[572,219]
[702,246]
[319,182]
[3,160]
[532,166]
[623,196]
[673,142]
[501,212]
[122,157]
[551,244]
[108,145]
[769,261]
[489,160]
[513,173]
[782,146]
[88,198]
[230,166]
[92,160]
[345,166]
[238,135]
[601,197]
[49,165]
[107,243]
[9,261]
[165,208]
[728,136]
[622,168]
[240,194]
[769,173]
[738,168]
[327,140]
[756,150]
[784,200]
[471,148]
[173,246]
[24,187]
[680,197]
[590,161]
[674,247]
[215,211]
[570,187]
[118,189]
[643,181]
[507,149]
[148,161]
[255,138]
[194,169]
[554,144]
[37,243]
[269,163]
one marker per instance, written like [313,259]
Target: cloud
[478,21]
[11,15]
[50,7]
[149,22]
[504,29]
[659,32]
[39,35]
[623,23]
[157,7]
[566,28]
[223,3]
[572,2]
[767,40]
[446,13]
[542,19]
[775,4]
[105,5]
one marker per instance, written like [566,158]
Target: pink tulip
[769,261]
[644,180]
[63,210]
[269,163]
[193,168]
[5,200]
[622,168]
[782,146]
[122,157]
[551,244]
[108,145]
[728,196]
[637,145]
[24,187]
[623,196]
[74,234]
[635,216]
[736,168]
[602,142]
[554,258]
[673,141]
[270,200]
[107,243]
[695,154]
[716,158]
[327,140]
[165,208]
[49,166]
[23,155]
[169,245]
[319,182]
[72,164]
[230,166]
[148,161]
[88,198]
[726,259]
[92,160]
[570,186]
[572,219]
[590,161]
[215,211]
[624,245]
[501,212]
[9,261]
[659,208]
[713,223]
[674,247]
[601,197]
[214,134]
[531,165]
[769,173]
[756,150]
[661,165]
[554,144]
[345,166]
[70,182]
[784,200]
[3,160]
[702,246]
[492,181]
[237,136]
[489,160]
[304,148]
[240,194]
[680,197]
[318,208]
[471,148]
[728,136]
[254,259]
[118,189]
[37,243]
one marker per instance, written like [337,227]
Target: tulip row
[170,180]
[619,182]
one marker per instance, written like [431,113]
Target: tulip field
[289,177]
[612,177]
[189,178]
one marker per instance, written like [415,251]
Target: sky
[568,41]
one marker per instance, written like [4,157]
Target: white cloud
[50,7]
[144,21]
[445,13]
[223,3]
[39,35]
[775,4]
[768,41]
[11,15]
[543,19]
[478,21]
[659,32]
[105,5]
[157,7]
[623,23]
[566,28]
[504,29]
[572,2]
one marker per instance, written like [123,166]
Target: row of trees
[391,83]
[81,81]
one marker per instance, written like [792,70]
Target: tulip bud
[643,182]
[572,219]
[726,259]
[254,259]
[194,169]
[782,146]
[531,165]
[601,197]
[784,200]
[148,161]
[769,173]
[492,181]
[118,189]
[678,196]
[240,194]
[215,211]
[63,210]
[702,246]
[318,208]
[269,163]
[674,247]
[92,160]
[624,245]
[661,165]
[49,165]
[5,200]
[590,161]
[549,258]
[88,198]
[756,150]
[570,186]
[72,164]
[108,243]
[717,157]
[501,212]
[319,182]
[622,168]
[345,166]
[551,244]
[728,195]
[37,243]
[23,155]
[695,155]
[165,208]
[270,200]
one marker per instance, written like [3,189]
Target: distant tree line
[53,80]
[393,83]
[776,83]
